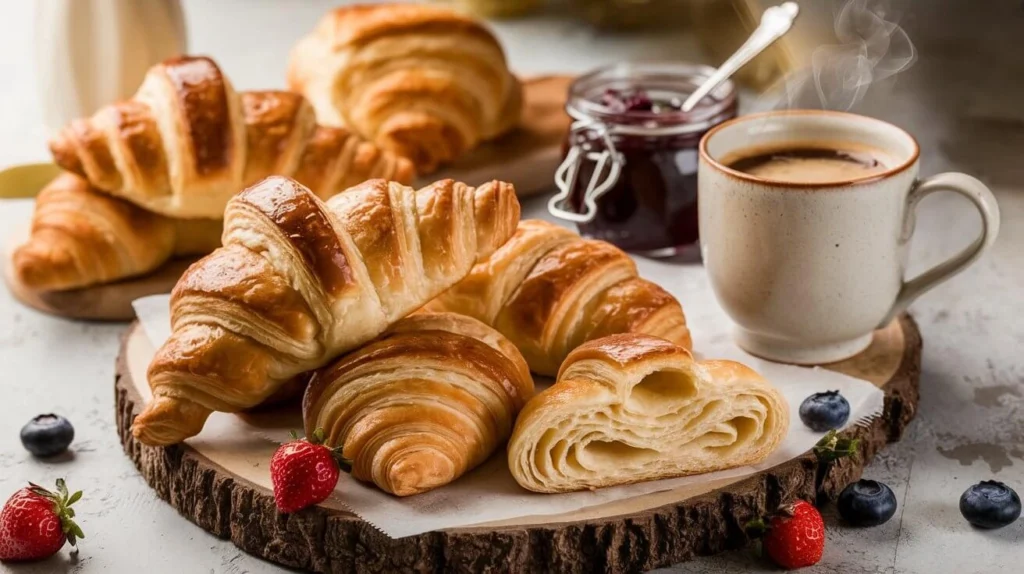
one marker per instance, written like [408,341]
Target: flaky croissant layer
[426,402]
[631,408]
[298,282]
[187,141]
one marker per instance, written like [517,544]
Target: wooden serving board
[228,494]
[527,157]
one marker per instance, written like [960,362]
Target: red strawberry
[305,472]
[35,523]
[796,536]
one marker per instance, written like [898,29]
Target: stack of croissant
[420,314]
[148,178]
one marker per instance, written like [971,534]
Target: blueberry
[825,411]
[867,503]
[990,504]
[47,435]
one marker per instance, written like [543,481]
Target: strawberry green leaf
[832,447]
[75,498]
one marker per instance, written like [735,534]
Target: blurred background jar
[90,53]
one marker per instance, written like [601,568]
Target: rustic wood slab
[527,157]
[228,495]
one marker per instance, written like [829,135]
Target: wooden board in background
[231,498]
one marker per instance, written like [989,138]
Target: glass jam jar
[629,175]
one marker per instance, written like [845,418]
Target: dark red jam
[652,207]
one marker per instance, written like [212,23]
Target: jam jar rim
[581,107]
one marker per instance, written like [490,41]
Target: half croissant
[630,408]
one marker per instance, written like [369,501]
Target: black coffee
[807,164]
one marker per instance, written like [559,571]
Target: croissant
[299,282]
[423,81]
[186,142]
[630,408]
[81,237]
[423,404]
[549,291]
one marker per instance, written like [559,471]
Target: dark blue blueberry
[825,411]
[990,504]
[47,435]
[867,503]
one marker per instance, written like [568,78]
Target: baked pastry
[299,282]
[81,237]
[549,291]
[630,408]
[423,81]
[186,142]
[423,404]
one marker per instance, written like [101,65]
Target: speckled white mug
[809,271]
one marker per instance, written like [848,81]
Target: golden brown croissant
[423,81]
[630,408]
[298,282]
[186,142]
[81,237]
[423,404]
[549,291]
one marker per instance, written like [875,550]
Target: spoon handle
[775,22]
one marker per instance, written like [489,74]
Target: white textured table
[967,115]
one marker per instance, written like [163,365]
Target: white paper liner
[490,494]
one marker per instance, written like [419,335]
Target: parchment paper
[490,494]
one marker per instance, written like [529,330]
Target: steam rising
[872,48]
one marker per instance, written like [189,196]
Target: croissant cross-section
[631,408]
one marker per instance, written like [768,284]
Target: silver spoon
[775,22]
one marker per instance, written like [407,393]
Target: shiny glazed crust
[426,402]
[549,291]
[82,237]
[422,81]
[186,142]
[299,282]
[630,408]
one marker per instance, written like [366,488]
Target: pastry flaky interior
[423,81]
[549,291]
[423,404]
[82,237]
[630,408]
[299,282]
[187,141]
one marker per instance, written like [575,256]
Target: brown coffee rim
[706,157]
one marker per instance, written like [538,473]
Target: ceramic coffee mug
[809,270]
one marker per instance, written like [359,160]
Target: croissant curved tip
[497,214]
[419,472]
[44,269]
[64,154]
[167,421]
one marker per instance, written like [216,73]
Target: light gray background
[963,100]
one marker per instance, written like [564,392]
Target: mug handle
[983,201]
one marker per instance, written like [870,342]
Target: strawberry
[35,523]
[796,536]
[305,472]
